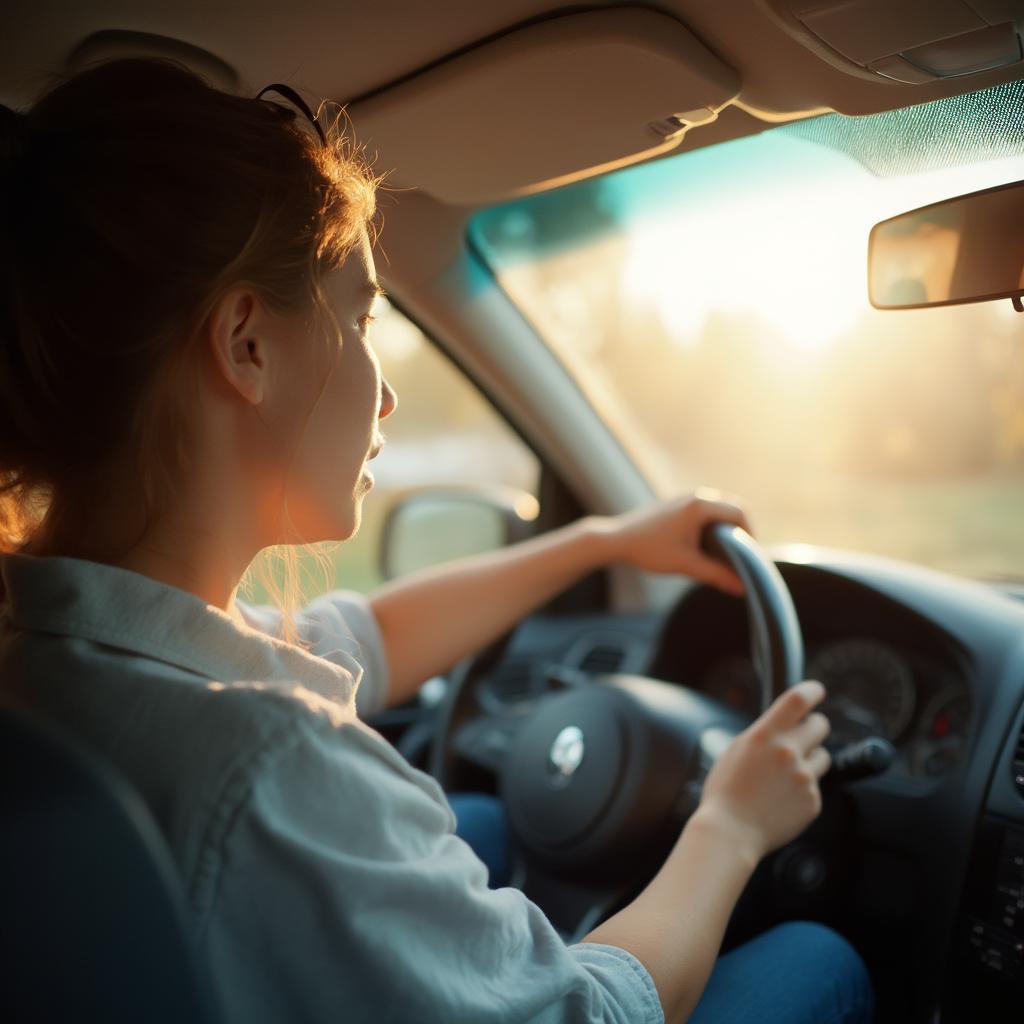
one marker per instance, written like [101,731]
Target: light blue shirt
[321,871]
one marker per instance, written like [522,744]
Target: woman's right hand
[760,793]
[764,785]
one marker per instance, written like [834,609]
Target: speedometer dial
[870,688]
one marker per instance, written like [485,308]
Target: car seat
[93,924]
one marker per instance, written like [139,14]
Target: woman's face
[340,380]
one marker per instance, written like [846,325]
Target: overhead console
[545,104]
[911,41]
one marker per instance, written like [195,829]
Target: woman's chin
[352,522]
[327,525]
[355,522]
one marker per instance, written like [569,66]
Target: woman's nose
[388,399]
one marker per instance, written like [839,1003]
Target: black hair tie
[289,93]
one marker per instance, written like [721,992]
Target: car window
[443,431]
[714,306]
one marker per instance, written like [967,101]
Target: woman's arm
[432,619]
[675,926]
[762,792]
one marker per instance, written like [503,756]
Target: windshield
[714,307]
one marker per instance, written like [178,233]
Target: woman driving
[187,379]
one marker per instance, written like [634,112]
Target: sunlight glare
[694,260]
[811,298]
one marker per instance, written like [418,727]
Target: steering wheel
[601,772]
[776,643]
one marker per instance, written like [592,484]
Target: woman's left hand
[665,537]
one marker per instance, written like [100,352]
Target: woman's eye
[366,319]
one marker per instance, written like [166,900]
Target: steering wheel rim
[440,756]
[776,640]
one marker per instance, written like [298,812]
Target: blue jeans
[798,972]
[480,820]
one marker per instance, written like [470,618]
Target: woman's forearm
[433,618]
[675,926]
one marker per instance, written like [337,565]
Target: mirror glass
[962,250]
[436,526]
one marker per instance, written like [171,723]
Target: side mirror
[966,249]
[427,526]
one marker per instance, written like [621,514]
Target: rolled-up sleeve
[345,618]
[345,895]
[341,627]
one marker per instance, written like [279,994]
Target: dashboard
[887,671]
[933,663]
[873,689]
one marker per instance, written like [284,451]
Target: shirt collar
[126,610]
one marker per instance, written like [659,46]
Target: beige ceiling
[345,50]
[350,51]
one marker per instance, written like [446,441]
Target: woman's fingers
[793,705]
[811,732]
[718,574]
[819,761]
[717,507]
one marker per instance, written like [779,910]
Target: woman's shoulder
[143,712]
[178,734]
[115,694]
[340,627]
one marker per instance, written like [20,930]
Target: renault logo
[566,753]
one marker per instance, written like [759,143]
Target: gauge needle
[853,712]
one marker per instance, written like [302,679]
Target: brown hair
[134,196]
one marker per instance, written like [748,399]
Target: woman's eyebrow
[374,290]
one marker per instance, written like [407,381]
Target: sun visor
[911,41]
[545,104]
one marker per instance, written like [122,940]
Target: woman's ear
[238,343]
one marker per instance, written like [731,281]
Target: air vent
[512,681]
[602,658]
[1018,763]
[601,651]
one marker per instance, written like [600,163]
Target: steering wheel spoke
[485,740]
[711,744]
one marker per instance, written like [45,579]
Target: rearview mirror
[966,249]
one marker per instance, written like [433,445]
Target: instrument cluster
[873,689]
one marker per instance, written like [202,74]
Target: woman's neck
[196,550]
